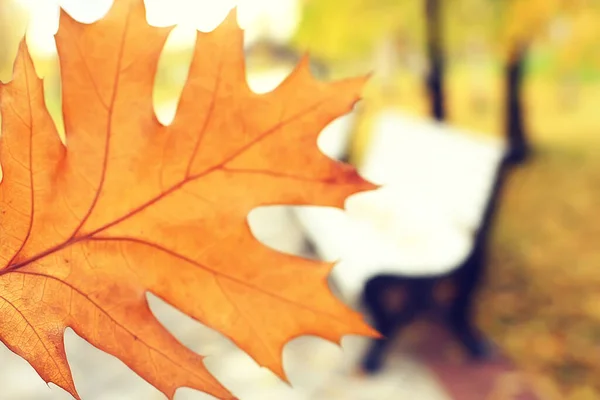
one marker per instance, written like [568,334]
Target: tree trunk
[435,80]
[518,146]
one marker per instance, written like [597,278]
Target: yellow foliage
[581,43]
[346,29]
[524,20]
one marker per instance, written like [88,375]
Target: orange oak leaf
[130,206]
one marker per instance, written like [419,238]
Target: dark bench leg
[461,311]
[387,321]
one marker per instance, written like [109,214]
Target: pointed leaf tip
[304,59]
[23,59]
[231,19]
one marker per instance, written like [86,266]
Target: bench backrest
[431,168]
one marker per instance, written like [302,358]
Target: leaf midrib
[76,239]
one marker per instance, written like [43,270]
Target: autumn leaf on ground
[130,206]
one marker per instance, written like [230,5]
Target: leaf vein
[30,168]
[115,90]
[104,312]
[211,270]
[37,335]
[207,119]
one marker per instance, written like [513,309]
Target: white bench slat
[432,166]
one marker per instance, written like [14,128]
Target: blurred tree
[521,22]
[515,122]
[352,29]
[435,53]
[343,30]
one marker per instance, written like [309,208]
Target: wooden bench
[437,181]
[429,221]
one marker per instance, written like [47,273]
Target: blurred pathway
[317,369]
[462,379]
[427,368]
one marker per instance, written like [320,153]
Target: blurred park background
[541,300]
